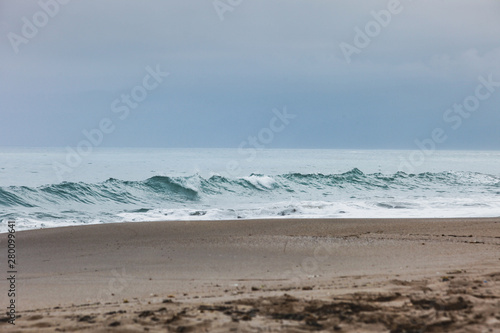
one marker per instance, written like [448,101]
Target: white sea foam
[302,209]
[260,181]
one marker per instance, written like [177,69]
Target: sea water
[52,187]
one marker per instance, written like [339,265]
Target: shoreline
[66,273]
[286,218]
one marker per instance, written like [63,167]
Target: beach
[294,275]
[250,166]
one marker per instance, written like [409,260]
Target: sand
[293,275]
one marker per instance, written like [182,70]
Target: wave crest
[164,189]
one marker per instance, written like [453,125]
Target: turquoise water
[50,187]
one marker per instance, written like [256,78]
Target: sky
[232,73]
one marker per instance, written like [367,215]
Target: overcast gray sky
[231,62]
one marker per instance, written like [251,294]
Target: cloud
[263,55]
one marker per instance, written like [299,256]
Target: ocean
[54,187]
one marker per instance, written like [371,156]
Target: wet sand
[295,275]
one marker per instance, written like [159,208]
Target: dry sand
[292,275]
